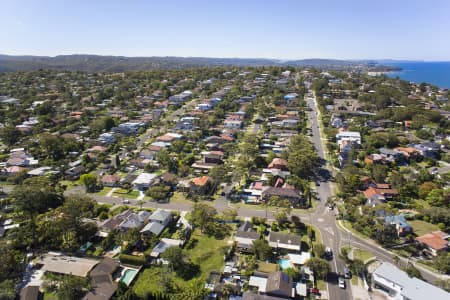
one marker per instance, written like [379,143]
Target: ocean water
[437,73]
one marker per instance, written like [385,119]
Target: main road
[323,218]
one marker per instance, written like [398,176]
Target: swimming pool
[285,263]
[128,276]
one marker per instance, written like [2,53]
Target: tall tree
[320,267]
[202,214]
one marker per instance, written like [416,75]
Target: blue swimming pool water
[285,263]
[128,276]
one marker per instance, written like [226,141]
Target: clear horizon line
[231,57]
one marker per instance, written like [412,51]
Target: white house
[350,136]
[144,180]
[400,286]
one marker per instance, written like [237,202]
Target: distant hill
[97,63]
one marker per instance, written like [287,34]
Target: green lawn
[104,191]
[207,252]
[362,254]
[179,197]
[124,193]
[422,227]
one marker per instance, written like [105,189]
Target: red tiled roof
[110,178]
[201,181]
[371,191]
[277,161]
[433,240]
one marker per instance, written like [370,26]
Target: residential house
[103,284]
[392,154]
[403,228]
[13,170]
[380,192]
[280,284]
[278,163]
[351,136]
[67,265]
[293,195]
[134,220]
[245,236]
[277,286]
[291,96]
[284,241]
[427,149]
[212,157]
[200,184]
[144,180]
[168,138]
[163,245]
[157,222]
[180,98]
[400,286]
[435,242]
[110,180]
[74,172]
[113,223]
[233,124]
[107,138]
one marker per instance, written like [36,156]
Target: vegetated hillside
[96,63]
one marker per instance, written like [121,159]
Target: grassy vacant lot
[179,197]
[207,252]
[422,227]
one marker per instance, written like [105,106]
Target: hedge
[132,260]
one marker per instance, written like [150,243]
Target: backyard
[422,227]
[207,252]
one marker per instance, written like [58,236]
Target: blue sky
[285,29]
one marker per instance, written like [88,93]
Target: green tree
[36,195]
[202,214]
[7,290]
[386,234]
[412,271]
[158,192]
[89,181]
[319,250]
[262,249]
[442,262]
[11,262]
[10,135]
[175,257]
[438,197]
[320,267]
[71,288]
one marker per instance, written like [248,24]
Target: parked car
[341,282]
[347,273]
[314,291]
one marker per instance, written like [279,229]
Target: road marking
[329,230]
[319,220]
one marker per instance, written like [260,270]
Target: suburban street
[332,233]
[323,218]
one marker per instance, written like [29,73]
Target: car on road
[328,253]
[347,273]
[341,282]
[317,183]
[126,201]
